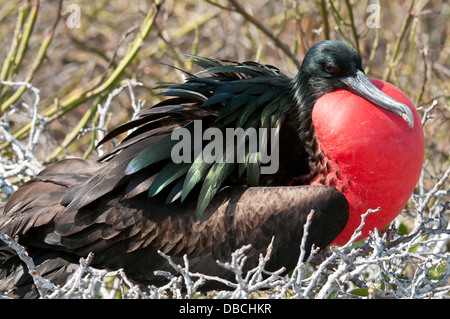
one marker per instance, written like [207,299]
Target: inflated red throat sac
[373,157]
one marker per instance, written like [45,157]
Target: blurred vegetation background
[77,52]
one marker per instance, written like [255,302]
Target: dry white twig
[21,163]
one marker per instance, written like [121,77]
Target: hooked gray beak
[361,86]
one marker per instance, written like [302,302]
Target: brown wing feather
[127,233]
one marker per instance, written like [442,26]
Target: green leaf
[7,154]
[363,292]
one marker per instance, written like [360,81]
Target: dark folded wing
[247,96]
[127,232]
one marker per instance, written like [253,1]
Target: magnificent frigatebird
[344,147]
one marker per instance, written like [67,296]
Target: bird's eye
[331,68]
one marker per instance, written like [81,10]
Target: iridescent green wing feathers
[248,96]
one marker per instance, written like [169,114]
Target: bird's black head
[329,61]
[330,65]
